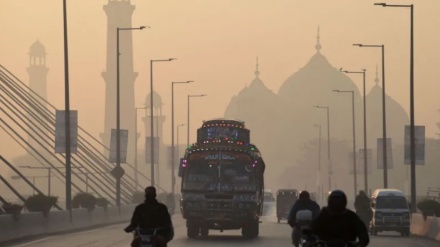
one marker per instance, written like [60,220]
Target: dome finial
[257,72]
[376,80]
[318,45]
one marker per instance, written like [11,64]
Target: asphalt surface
[271,234]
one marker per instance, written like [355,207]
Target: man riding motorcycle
[337,225]
[301,215]
[150,215]
[362,206]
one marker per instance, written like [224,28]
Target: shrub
[138,197]
[12,208]
[429,207]
[84,200]
[40,203]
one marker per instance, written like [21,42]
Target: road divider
[428,227]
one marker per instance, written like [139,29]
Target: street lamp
[191,96]
[318,178]
[178,126]
[49,172]
[173,180]
[67,114]
[384,119]
[135,147]
[118,116]
[151,114]
[365,126]
[411,86]
[354,138]
[328,145]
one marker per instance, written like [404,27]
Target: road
[271,234]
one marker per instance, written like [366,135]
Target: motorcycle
[310,240]
[147,238]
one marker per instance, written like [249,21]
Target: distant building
[119,14]
[283,124]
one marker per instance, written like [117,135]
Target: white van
[390,212]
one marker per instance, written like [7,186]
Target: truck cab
[390,212]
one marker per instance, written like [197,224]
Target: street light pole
[354,138]
[365,127]
[191,96]
[118,115]
[152,116]
[173,179]
[328,146]
[384,119]
[135,148]
[319,160]
[411,82]
[67,115]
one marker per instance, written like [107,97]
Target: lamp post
[67,115]
[118,114]
[152,115]
[354,138]
[173,179]
[191,96]
[328,145]
[384,119]
[318,178]
[411,82]
[49,172]
[178,126]
[135,148]
[365,127]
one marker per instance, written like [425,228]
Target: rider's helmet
[150,193]
[337,201]
[304,195]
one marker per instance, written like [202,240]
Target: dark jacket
[340,227]
[152,214]
[362,202]
[302,205]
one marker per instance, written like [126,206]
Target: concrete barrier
[429,227]
[34,224]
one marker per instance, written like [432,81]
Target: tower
[158,121]
[158,117]
[119,13]
[37,71]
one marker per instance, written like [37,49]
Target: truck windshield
[236,172]
[391,202]
[202,171]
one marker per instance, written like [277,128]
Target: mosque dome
[157,100]
[396,116]
[37,49]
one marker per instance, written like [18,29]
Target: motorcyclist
[302,213]
[362,206]
[338,225]
[152,214]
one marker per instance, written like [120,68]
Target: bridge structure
[22,110]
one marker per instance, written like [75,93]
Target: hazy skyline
[216,44]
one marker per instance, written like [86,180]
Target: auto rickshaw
[285,200]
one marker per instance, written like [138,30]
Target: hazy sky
[216,43]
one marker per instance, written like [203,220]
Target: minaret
[37,71]
[158,118]
[158,122]
[119,13]
[318,44]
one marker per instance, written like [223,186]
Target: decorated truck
[222,180]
